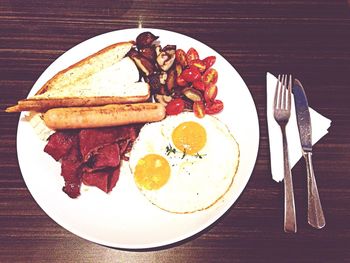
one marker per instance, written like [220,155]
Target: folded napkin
[319,123]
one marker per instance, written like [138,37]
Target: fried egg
[184,164]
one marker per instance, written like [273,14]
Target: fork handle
[315,216]
[290,224]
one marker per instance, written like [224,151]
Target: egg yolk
[152,172]
[189,137]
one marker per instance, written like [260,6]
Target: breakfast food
[105,77]
[197,79]
[94,111]
[179,164]
[103,116]
[91,156]
[174,74]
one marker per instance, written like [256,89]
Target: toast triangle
[105,77]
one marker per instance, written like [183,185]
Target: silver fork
[282,106]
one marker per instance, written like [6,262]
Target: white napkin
[320,125]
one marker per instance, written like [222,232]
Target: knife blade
[315,212]
[303,116]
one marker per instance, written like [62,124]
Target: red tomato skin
[200,64]
[199,85]
[180,56]
[210,92]
[191,74]
[175,106]
[209,61]
[191,54]
[180,81]
[215,107]
[210,76]
[199,109]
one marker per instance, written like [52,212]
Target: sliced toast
[105,77]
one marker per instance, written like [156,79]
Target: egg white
[196,182]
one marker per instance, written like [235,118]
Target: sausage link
[103,116]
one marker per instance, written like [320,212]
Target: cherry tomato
[178,69]
[191,74]
[191,54]
[215,107]
[209,61]
[198,109]
[198,84]
[180,56]
[200,64]
[175,106]
[180,81]
[210,76]
[210,92]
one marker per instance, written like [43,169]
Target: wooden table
[310,39]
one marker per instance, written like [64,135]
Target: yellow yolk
[189,137]
[152,172]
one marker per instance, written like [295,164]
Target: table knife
[315,212]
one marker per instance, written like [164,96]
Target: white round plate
[124,218]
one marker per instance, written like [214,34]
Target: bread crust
[41,104]
[46,87]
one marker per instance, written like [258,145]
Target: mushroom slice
[145,39]
[166,59]
[163,77]
[170,49]
[149,53]
[158,49]
[142,63]
[163,99]
[171,79]
[154,82]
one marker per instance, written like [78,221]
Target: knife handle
[290,222]
[315,216]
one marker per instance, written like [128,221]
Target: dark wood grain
[310,39]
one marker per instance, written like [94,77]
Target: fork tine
[276,91]
[289,92]
[285,92]
[281,101]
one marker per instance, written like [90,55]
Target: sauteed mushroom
[145,39]
[149,53]
[166,57]
[142,62]
[163,99]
